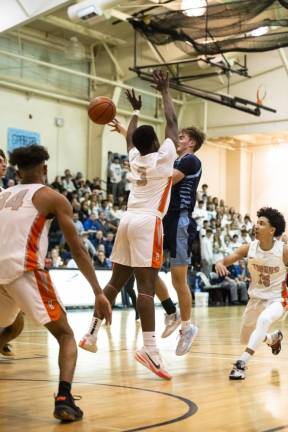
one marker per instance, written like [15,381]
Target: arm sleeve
[189,165]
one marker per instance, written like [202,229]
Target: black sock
[168,306]
[64,388]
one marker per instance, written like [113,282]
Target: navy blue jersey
[183,193]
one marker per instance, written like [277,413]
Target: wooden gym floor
[118,394]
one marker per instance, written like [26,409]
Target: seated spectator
[56,258]
[109,242]
[101,262]
[234,243]
[102,224]
[200,214]
[88,244]
[78,224]
[85,211]
[207,252]
[99,238]
[68,182]
[244,237]
[91,223]
[57,184]
[239,276]
[228,285]
[248,223]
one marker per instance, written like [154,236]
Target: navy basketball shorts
[179,232]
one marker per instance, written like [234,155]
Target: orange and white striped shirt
[151,179]
[23,232]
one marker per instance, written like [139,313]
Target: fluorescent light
[193,8]
[260,31]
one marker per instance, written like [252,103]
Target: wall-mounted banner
[21,138]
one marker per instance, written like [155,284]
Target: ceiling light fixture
[260,31]
[194,8]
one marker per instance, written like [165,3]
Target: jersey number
[264,279]
[15,202]
[143,176]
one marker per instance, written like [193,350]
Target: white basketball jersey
[267,270]
[151,179]
[23,232]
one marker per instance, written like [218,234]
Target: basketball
[101,110]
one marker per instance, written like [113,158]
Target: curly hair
[3,155]
[275,218]
[196,135]
[28,157]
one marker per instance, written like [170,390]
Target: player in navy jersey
[179,232]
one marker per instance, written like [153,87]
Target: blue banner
[21,138]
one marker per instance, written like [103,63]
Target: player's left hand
[135,101]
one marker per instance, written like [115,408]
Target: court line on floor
[277,428]
[191,410]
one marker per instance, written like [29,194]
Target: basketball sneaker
[88,343]
[66,410]
[238,371]
[186,338]
[171,322]
[153,361]
[275,345]
[6,351]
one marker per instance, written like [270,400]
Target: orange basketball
[101,110]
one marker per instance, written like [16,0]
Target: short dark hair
[143,138]
[28,157]
[275,218]
[196,135]
[3,154]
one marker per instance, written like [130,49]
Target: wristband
[136,112]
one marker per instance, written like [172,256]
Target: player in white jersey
[267,261]
[6,348]
[26,211]
[138,245]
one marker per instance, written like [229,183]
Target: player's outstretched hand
[135,101]
[161,80]
[103,308]
[221,270]
[118,127]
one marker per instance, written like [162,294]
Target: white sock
[185,325]
[95,326]
[245,357]
[149,340]
[268,339]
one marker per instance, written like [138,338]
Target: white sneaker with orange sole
[88,343]
[153,361]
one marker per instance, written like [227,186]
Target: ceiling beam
[84,31]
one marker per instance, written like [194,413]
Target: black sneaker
[66,410]
[6,351]
[277,337]
[238,371]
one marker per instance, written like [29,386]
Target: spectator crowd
[98,207]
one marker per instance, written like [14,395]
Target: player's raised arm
[136,104]
[221,266]
[162,84]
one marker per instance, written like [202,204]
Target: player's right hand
[103,307]
[221,269]
[118,127]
